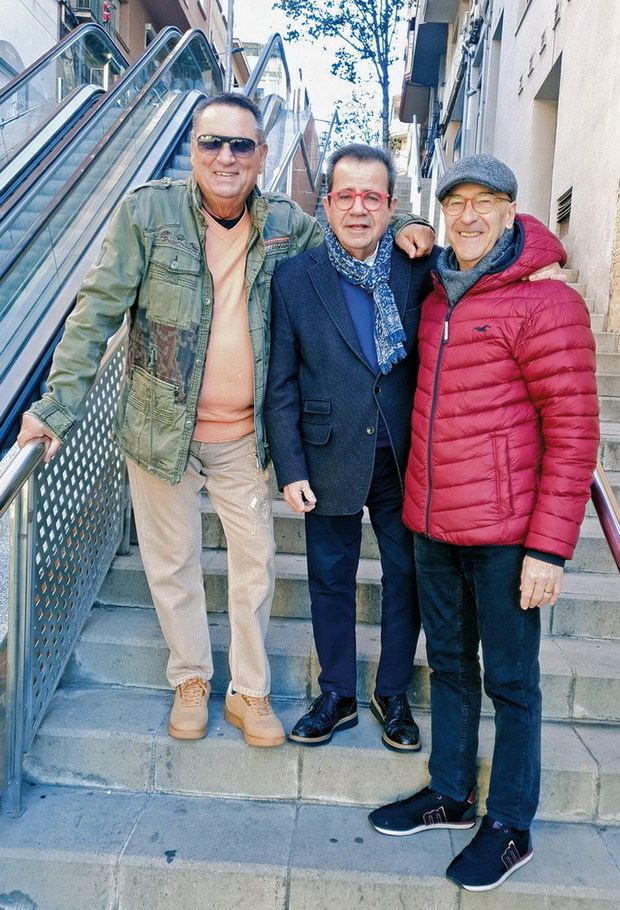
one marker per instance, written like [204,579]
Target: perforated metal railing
[65,528]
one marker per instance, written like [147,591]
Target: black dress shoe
[400,731]
[328,713]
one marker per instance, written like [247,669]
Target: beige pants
[169,528]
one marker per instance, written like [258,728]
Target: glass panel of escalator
[40,192]
[91,57]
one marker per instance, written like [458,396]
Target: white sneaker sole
[451,825]
[499,881]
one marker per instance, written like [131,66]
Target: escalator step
[174,174]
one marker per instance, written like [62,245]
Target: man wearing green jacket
[192,263]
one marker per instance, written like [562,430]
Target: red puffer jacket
[504,427]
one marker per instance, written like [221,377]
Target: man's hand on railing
[32,430]
[415,240]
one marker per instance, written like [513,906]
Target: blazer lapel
[325,280]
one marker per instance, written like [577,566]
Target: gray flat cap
[483,169]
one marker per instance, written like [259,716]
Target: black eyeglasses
[239,146]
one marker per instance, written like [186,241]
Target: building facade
[28,28]
[536,83]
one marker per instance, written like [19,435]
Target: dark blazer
[323,399]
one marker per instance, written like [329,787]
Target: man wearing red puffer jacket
[504,444]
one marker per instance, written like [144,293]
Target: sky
[255,20]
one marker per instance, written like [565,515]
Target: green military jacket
[152,265]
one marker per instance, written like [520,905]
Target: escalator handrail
[91,160]
[99,110]
[83,96]
[39,64]
[297,142]
[261,64]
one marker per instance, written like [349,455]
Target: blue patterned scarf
[389,334]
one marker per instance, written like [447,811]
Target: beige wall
[549,105]
[29,26]
[584,153]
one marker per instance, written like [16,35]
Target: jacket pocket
[315,434]
[315,410]
[172,289]
[503,482]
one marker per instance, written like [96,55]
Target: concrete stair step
[607,342]
[608,362]
[610,408]
[610,444]
[125,585]
[576,286]
[608,384]
[123,646]
[592,553]
[76,848]
[117,739]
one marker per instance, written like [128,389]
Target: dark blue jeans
[333,547]
[470,595]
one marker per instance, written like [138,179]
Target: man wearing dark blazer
[337,411]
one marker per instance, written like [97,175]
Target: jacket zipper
[444,340]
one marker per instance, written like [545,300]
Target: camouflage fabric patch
[175,351]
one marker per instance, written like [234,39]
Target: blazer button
[370,430]
[377,390]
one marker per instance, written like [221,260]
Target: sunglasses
[371,199]
[239,146]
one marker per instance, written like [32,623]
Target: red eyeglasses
[371,199]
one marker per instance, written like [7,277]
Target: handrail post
[19,657]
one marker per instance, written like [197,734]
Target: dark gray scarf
[457,283]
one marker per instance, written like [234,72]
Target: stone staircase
[119,815]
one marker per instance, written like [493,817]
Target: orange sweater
[226,402]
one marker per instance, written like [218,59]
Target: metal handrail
[319,168]
[261,65]
[299,142]
[39,64]
[17,473]
[608,511]
[60,121]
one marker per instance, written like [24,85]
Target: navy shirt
[361,306]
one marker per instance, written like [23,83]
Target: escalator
[41,102]
[56,243]
[33,193]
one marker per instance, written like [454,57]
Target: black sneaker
[423,811]
[494,853]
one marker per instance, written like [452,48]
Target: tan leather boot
[189,715]
[255,717]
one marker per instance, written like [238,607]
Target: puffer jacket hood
[504,426]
